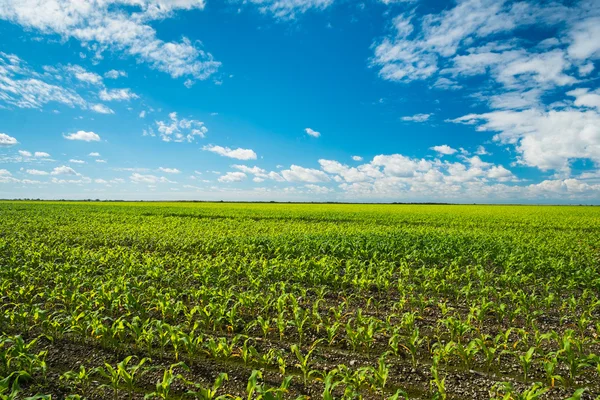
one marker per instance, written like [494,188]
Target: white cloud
[312,132]
[232,177]
[25,153]
[444,149]
[6,140]
[481,151]
[359,174]
[63,170]
[357,158]
[100,161]
[397,165]
[585,98]
[409,53]
[117,26]
[114,74]
[318,189]
[239,153]
[83,75]
[169,170]
[41,154]
[94,154]
[250,170]
[5,172]
[301,174]
[36,172]
[83,135]
[288,9]
[584,39]
[74,161]
[117,95]
[548,140]
[142,114]
[180,130]
[151,179]
[417,118]
[101,109]
[22,87]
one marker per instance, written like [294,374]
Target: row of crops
[273,301]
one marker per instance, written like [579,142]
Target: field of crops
[274,301]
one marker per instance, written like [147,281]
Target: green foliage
[349,299]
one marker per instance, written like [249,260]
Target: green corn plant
[254,387]
[301,317]
[577,394]
[550,363]
[112,374]
[382,372]
[129,374]
[526,361]
[81,378]
[397,395]
[204,393]
[264,324]
[304,361]
[9,386]
[281,322]
[330,383]
[440,383]
[163,387]
[467,353]
[413,344]
[506,391]
[488,349]
[281,363]
[332,332]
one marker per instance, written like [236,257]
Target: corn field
[290,301]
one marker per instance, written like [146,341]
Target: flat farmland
[287,301]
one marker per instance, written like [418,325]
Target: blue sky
[300,100]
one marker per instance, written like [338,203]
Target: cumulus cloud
[94,154]
[239,153]
[357,158]
[179,130]
[25,153]
[416,118]
[84,136]
[101,109]
[41,154]
[548,140]
[83,75]
[169,170]
[115,74]
[232,177]
[6,140]
[586,98]
[151,179]
[36,172]
[249,170]
[117,26]
[311,132]
[297,173]
[63,170]
[318,189]
[444,149]
[75,161]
